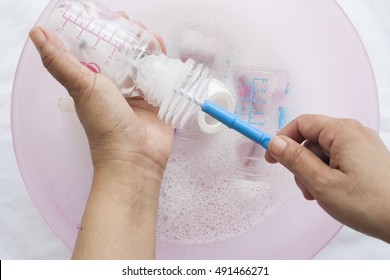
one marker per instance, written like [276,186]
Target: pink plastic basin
[313,41]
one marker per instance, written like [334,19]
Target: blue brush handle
[234,122]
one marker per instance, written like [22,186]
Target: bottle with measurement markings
[132,58]
[102,40]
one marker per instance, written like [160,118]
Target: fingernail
[38,37]
[277,146]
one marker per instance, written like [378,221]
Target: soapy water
[217,187]
[66,105]
[209,46]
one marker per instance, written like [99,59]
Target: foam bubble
[66,105]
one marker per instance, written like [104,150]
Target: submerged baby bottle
[132,58]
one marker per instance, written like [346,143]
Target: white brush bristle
[178,88]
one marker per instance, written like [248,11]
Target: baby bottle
[132,59]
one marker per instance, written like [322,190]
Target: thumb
[304,164]
[65,68]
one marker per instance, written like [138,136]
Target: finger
[140,24]
[306,194]
[161,42]
[138,102]
[62,65]
[123,14]
[304,164]
[311,128]
[316,149]
[305,127]
[268,157]
[137,22]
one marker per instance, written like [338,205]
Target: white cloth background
[24,234]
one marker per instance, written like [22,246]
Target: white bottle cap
[218,94]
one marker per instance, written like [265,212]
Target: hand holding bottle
[130,147]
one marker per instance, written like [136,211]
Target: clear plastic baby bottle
[132,58]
